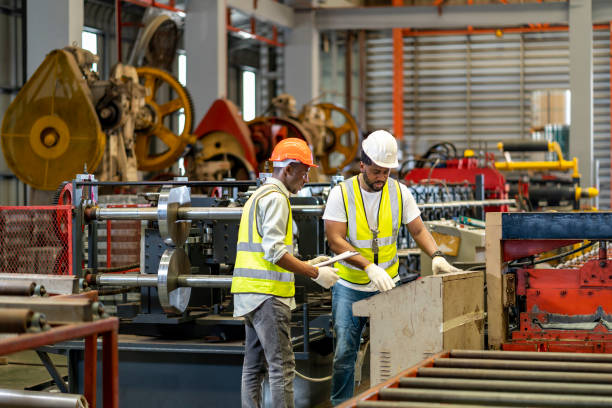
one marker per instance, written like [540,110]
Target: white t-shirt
[335,211]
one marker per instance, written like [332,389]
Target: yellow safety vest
[252,273]
[380,249]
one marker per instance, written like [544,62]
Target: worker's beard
[372,185]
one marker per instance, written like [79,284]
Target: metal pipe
[205,281]
[37,399]
[524,365]
[126,280]
[493,398]
[506,386]
[193,281]
[17,288]
[149,214]
[531,356]
[515,375]
[234,213]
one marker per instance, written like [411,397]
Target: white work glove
[440,265]
[318,259]
[327,276]
[379,277]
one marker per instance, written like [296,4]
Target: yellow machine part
[342,139]
[161,106]
[51,130]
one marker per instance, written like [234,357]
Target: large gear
[155,122]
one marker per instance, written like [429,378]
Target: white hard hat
[381,147]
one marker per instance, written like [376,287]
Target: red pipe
[118,28]
[398,80]
[255,36]
[90,369]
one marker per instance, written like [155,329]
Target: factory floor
[24,370]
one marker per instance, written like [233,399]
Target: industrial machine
[65,118]
[457,176]
[227,147]
[553,183]
[536,304]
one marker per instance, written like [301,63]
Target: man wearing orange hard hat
[263,281]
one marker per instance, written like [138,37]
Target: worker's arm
[273,214]
[426,242]
[336,238]
[292,264]
[421,236]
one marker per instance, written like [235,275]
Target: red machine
[461,171]
[561,308]
[565,309]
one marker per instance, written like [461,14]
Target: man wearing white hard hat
[364,214]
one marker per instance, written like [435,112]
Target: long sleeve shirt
[272,216]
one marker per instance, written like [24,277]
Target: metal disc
[174,262]
[172,230]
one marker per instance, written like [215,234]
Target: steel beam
[481,15]
[56,311]
[266,10]
[477,15]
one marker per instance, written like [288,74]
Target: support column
[302,59]
[63,26]
[206,48]
[581,87]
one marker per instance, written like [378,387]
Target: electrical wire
[311,379]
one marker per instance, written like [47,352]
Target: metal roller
[515,375]
[408,404]
[524,365]
[173,230]
[15,320]
[531,356]
[174,262]
[35,399]
[21,321]
[17,288]
[507,386]
[493,398]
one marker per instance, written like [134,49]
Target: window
[248,95]
[89,42]
[182,78]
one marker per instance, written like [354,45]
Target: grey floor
[24,370]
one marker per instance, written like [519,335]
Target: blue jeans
[347,330]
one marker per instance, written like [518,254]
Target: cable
[316,380]
[113,269]
[554,258]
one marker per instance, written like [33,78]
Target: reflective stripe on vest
[361,237]
[252,273]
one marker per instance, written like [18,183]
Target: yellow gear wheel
[51,130]
[341,138]
[165,98]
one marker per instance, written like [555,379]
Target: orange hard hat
[295,149]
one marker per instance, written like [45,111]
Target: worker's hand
[440,265]
[318,259]
[379,277]
[327,276]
